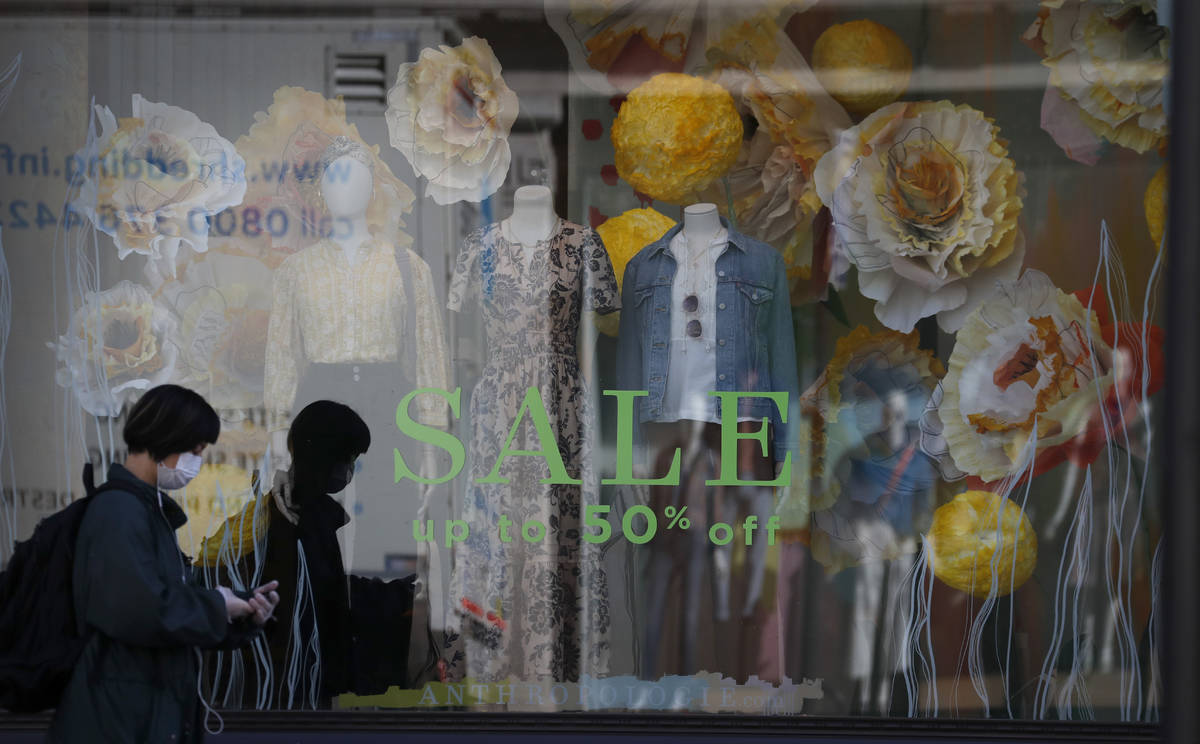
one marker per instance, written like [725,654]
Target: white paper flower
[925,202]
[224,306]
[1031,354]
[615,45]
[450,114]
[119,343]
[152,180]
[1109,58]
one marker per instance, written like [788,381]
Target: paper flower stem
[729,202]
[833,303]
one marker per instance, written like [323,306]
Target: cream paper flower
[151,181]
[771,184]
[1032,355]
[283,211]
[450,114]
[615,45]
[1110,59]
[925,202]
[223,304]
[119,342]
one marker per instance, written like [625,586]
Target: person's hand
[263,602]
[235,607]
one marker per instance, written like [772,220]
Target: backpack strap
[89,479]
[89,482]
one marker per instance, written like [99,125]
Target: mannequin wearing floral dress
[546,602]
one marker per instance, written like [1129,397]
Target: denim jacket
[755,343]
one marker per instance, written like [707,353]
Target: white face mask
[188,467]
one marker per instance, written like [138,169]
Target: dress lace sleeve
[432,358]
[464,282]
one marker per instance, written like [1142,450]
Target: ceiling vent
[360,78]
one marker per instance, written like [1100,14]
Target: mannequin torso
[692,370]
[533,219]
[701,223]
[347,186]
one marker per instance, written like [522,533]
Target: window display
[747,359]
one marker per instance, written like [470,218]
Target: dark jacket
[136,595]
[360,627]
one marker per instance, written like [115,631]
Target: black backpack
[39,639]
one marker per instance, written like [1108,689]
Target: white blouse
[692,367]
[329,310]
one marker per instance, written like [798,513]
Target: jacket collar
[736,239]
[322,510]
[325,511]
[130,483]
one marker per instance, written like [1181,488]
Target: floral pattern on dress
[552,594]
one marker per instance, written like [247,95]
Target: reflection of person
[335,634]
[136,677]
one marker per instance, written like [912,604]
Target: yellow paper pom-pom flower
[965,536]
[676,134]
[864,65]
[202,499]
[623,236]
[1155,204]
[629,232]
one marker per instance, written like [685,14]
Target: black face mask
[341,475]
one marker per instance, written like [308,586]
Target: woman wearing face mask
[134,597]
[327,638]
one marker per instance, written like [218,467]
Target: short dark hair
[169,419]
[324,435]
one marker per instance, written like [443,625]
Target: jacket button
[720,377]
[721,342]
[720,273]
[721,306]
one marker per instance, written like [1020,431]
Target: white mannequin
[700,223]
[347,186]
[533,219]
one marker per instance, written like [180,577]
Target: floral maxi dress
[544,601]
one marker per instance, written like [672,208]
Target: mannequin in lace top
[356,320]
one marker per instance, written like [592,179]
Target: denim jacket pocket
[644,311]
[756,310]
[756,325]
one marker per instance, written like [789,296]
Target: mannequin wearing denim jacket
[754,336]
[754,352]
